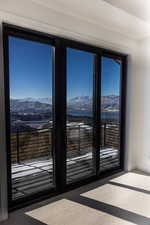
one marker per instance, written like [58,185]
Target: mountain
[80,100]
[41,100]
[110,102]
[79,103]
[18,105]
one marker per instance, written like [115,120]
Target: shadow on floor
[112,210]
[130,187]
[19,217]
[22,219]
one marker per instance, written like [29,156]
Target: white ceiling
[138,8]
[100,12]
[95,14]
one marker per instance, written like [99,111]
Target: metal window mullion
[7,113]
[96,112]
[123,83]
[59,99]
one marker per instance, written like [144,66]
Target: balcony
[32,156]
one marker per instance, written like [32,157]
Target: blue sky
[30,68]
[79,73]
[110,77]
[30,65]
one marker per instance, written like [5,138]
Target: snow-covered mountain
[80,99]
[29,99]
[18,105]
[110,102]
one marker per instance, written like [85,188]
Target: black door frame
[59,109]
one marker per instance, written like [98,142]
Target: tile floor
[121,200]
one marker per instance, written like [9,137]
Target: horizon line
[78,96]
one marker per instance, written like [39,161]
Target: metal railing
[27,145]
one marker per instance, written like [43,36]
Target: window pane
[79,114]
[30,67]
[110,111]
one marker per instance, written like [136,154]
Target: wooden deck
[34,176]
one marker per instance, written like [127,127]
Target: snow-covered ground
[33,176]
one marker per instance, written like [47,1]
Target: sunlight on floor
[66,212]
[134,180]
[124,198]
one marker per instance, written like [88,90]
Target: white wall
[77,29]
[142,106]
[131,113]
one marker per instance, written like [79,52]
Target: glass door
[65,113]
[31,117]
[80,163]
[111,69]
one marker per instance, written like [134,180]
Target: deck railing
[30,145]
